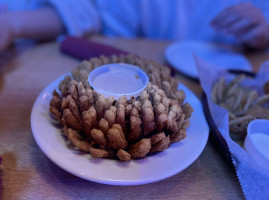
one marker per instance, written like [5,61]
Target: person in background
[231,21]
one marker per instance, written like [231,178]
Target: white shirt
[169,19]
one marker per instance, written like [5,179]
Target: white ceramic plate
[180,56]
[151,169]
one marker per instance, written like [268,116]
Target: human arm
[40,24]
[246,22]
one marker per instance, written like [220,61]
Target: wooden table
[28,174]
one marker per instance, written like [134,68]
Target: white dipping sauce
[118,81]
[261,142]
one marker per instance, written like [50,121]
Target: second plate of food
[147,170]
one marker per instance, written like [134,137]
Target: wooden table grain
[27,173]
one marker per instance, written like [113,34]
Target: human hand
[246,22]
[6,32]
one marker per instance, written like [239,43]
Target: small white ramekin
[255,149]
[121,66]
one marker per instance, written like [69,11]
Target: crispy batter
[148,118]
[56,113]
[75,138]
[84,103]
[56,101]
[100,106]
[258,112]
[128,109]
[123,155]
[103,124]
[156,138]
[116,138]
[89,120]
[262,100]
[161,145]
[240,124]
[167,88]
[99,137]
[110,116]
[162,117]
[187,109]
[120,116]
[99,153]
[140,149]
[135,126]
[74,109]
[70,120]
[73,90]
[186,124]
[176,137]
[64,86]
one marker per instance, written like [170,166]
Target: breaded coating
[135,126]
[56,101]
[116,138]
[99,153]
[103,125]
[71,121]
[109,102]
[180,135]
[123,155]
[90,95]
[187,109]
[73,90]
[258,112]
[99,137]
[100,106]
[239,125]
[179,95]
[56,113]
[140,149]
[186,124]
[144,96]
[137,105]
[262,100]
[166,102]
[64,86]
[121,100]
[89,119]
[128,109]
[84,103]
[162,117]
[167,88]
[148,118]
[181,121]
[161,145]
[120,116]
[157,99]
[74,109]
[75,138]
[156,138]
[110,117]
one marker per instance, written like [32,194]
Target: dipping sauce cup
[118,79]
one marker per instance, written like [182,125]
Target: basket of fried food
[122,129]
[243,103]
